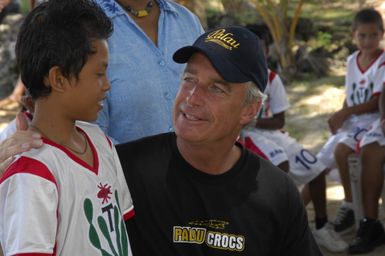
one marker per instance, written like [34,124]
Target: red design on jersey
[31,166]
[249,144]
[271,76]
[105,192]
[362,82]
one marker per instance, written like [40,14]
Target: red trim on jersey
[382,64]
[371,63]
[129,215]
[376,94]
[33,254]
[272,76]
[94,168]
[249,144]
[109,141]
[28,165]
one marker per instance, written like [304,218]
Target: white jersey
[276,101]
[52,202]
[361,85]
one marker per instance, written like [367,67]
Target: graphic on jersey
[361,94]
[214,239]
[115,224]
[104,193]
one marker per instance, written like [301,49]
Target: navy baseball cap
[235,52]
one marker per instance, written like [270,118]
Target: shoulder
[182,13]
[352,57]
[146,147]
[31,166]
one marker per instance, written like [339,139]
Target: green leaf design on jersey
[103,227]
[116,224]
[123,237]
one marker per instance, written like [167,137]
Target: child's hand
[336,120]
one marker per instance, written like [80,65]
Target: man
[198,192]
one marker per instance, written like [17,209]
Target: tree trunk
[282,29]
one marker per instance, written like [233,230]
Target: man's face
[207,108]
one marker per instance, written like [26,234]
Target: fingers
[21,122]
[4,165]
[20,142]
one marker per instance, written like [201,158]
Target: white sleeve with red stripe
[278,97]
[28,209]
[125,199]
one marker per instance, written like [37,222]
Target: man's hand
[23,140]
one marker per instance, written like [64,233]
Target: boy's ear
[55,79]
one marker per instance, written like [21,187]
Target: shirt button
[170,129]
[162,63]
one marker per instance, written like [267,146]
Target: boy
[265,138]
[365,76]
[68,197]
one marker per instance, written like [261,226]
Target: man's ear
[250,111]
[56,80]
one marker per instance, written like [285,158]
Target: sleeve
[28,210]
[125,199]
[379,81]
[9,130]
[278,97]
[298,239]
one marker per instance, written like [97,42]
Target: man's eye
[217,89]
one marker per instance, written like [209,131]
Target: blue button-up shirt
[144,78]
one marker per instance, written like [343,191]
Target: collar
[113,9]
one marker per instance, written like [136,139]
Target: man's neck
[210,159]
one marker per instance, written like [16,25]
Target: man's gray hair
[253,93]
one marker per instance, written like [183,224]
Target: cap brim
[228,71]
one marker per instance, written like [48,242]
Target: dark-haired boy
[68,197]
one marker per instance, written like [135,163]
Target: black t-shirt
[253,209]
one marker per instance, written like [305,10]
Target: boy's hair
[262,31]
[366,16]
[58,33]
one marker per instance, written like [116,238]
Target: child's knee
[342,151]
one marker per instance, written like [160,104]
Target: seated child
[365,75]
[68,197]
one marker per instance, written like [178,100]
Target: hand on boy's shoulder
[22,140]
[337,119]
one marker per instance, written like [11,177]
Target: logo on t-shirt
[107,228]
[361,94]
[199,232]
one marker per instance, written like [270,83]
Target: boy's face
[86,94]
[368,37]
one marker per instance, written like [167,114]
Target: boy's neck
[365,59]
[52,124]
